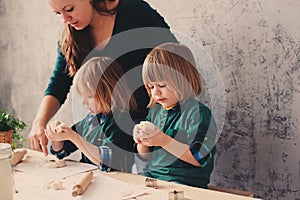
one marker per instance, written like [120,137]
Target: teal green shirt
[187,123]
[107,132]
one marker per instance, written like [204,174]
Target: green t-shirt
[107,131]
[187,123]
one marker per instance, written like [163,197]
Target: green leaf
[8,122]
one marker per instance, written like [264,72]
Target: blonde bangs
[86,79]
[101,78]
[174,64]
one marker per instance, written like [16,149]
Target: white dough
[146,124]
[53,163]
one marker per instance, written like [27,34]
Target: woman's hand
[37,139]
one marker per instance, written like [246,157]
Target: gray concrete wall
[254,43]
[28,42]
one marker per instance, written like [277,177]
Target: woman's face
[77,13]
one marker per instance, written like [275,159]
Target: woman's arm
[55,96]
[36,138]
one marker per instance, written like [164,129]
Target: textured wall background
[254,43]
[28,42]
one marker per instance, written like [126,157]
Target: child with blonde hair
[178,138]
[100,136]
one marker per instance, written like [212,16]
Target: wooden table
[32,186]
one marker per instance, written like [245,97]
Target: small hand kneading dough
[59,127]
[53,164]
[147,129]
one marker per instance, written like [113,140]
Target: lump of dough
[56,185]
[148,129]
[53,163]
[146,124]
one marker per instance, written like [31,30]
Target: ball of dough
[146,124]
[148,129]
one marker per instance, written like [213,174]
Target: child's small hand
[136,134]
[57,131]
[56,126]
[147,129]
[159,139]
[60,127]
[150,135]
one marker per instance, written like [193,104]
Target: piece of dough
[147,129]
[53,164]
[56,185]
[17,156]
[146,124]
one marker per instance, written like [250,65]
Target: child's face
[89,103]
[162,94]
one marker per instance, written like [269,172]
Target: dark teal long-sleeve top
[107,131]
[131,41]
[187,123]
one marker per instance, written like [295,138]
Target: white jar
[7,186]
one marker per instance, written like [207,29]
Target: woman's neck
[102,24]
[102,28]
[108,5]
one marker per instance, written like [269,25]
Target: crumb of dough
[48,185]
[56,185]
[53,164]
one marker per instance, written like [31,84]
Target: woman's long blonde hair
[77,44]
[101,78]
[174,64]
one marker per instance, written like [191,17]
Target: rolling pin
[17,156]
[81,185]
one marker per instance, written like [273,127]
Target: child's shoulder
[194,105]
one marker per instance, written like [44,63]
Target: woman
[107,25]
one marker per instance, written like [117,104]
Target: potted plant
[10,126]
